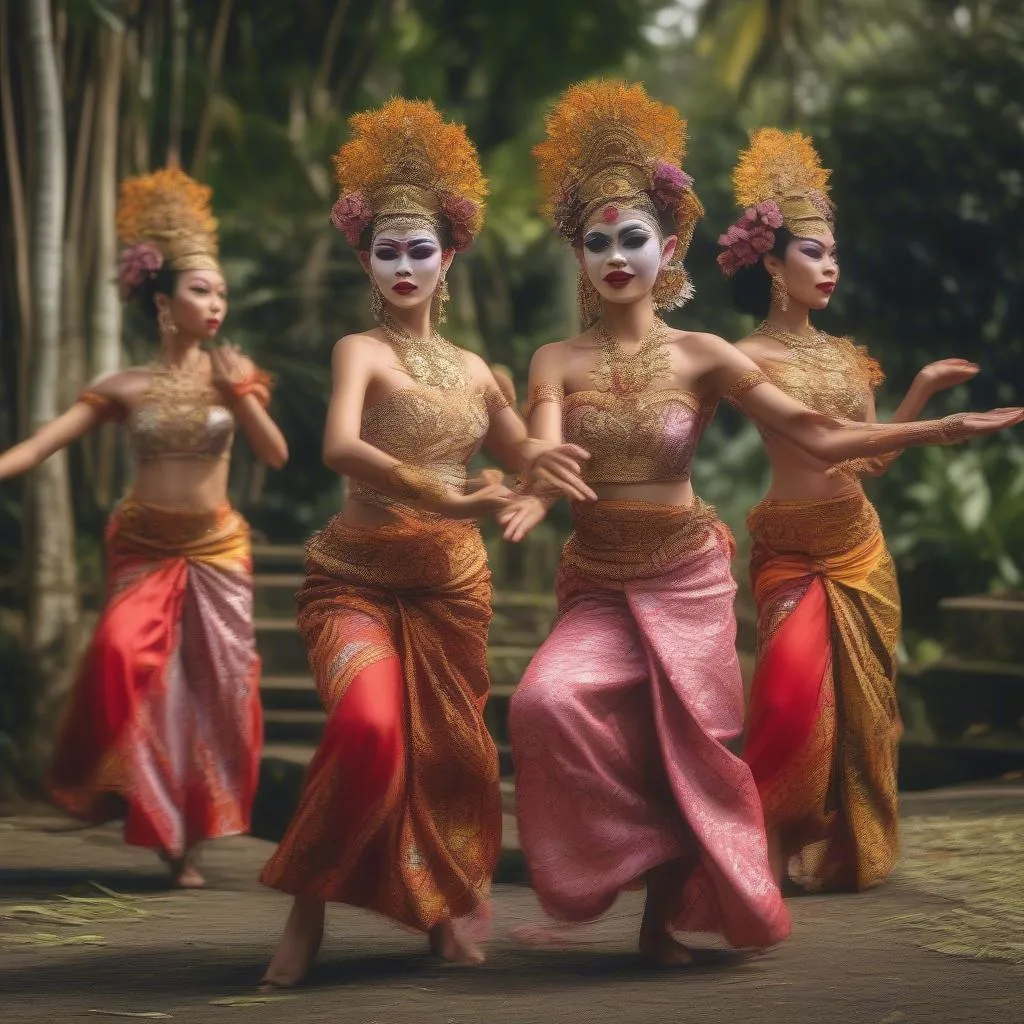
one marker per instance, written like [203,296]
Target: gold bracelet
[415,482]
[744,383]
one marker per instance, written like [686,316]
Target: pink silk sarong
[619,724]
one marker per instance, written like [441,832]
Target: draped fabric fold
[164,724]
[400,811]
[619,724]
[824,727]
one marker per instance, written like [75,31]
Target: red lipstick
[618,278]
[404,288]
[828,287]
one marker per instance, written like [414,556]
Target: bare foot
[446,942]
[300,942]
[187,877]
[656,942]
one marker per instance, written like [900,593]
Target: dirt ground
[944,942]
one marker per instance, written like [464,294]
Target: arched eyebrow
[418,240]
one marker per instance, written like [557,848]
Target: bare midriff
[198,485]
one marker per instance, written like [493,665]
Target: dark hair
[163,282]
[752,285]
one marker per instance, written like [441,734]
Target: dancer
[164,725]
[619,724]
[400,810]
[824,725]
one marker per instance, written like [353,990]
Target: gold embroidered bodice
[438,424]
[828,374]
[645,437]
[180,417]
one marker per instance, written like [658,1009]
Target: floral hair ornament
[609,147]
[164,218]
[780,181]
[405,165]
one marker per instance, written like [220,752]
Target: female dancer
[165,724]
[400,810]
[824,725]
[619,724]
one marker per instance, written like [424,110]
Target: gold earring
[439,303]
[166,322]
[376,303]
[588,301]
[779,292]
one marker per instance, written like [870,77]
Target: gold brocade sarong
[416,835]
[824,727]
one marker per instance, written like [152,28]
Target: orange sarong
[164,725]
[823,727]
[400,811]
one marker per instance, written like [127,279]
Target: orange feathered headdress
[404,162]
[164,218]
[609,145]
[780,182]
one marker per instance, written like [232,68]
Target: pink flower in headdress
[746,241]
[668,183]
[135,264]
[462,215]
[769,214]
[351,215]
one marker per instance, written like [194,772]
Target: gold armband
[494,401]
[415,482]
[747,382]
[108,408]
[543,392]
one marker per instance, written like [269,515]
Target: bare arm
[50,438]
[736,376]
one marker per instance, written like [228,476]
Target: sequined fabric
[618,730]
[164,725]
[422,844]
[824,726]
[644,438]
[433,428]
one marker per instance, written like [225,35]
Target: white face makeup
[406,265]
[622,257]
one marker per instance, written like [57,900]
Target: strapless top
[180,418]
[436,428]
[649,437]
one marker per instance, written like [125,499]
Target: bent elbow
[336,458]
[279,458]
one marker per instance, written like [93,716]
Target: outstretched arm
[738,378]
[931,379]
[89,411]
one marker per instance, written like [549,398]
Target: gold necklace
[623,374]
[432,361]
[791,339]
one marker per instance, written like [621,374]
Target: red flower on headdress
[668,183]
[135,265]
[351,215]
[462,215]
[750,237]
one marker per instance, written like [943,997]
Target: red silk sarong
[619,725]
[400,810]
[823,728]
[164,724]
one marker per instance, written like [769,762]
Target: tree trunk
[106,306]
[51,627]
[179,32]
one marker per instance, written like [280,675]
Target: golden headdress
[406,164]
[164,218]
[780,181]
[609,145]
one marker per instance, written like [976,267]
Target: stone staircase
[964,714]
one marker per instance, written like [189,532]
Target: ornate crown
[780,181]
[164,218]
[406,164]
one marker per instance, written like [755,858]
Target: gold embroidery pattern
[432,362]
[110,409]
[621,541]
[622,374]
[744,383]
[543,392]
[180,417]
[835,798]
[494,401]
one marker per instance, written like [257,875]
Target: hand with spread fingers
[946,373]
[520,516]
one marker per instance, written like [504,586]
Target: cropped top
[435,428]
[181,416]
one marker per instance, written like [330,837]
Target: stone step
[295,692]
[987,627]
[278,557]
[293,727]
[953,699]
[926,764]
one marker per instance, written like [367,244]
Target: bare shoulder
[699,343]
[121,385]
[761,348]
[479,371]
[359,345]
